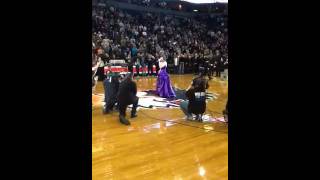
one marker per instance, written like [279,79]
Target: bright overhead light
[195,10]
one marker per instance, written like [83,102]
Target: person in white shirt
[176,63]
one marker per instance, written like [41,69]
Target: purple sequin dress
[164,88]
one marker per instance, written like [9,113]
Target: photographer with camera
[196,95]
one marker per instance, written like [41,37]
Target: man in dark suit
[207,67]
[211,66]
[127,95]
[111,87]
[150,62]
[218,64]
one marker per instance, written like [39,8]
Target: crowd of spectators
[141,38]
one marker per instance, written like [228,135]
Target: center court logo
[149,100]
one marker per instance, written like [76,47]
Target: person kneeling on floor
[196,95]
[127,95]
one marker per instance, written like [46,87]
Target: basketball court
[160,143]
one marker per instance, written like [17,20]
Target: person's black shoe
[133,115]
[125,121]
[199,118]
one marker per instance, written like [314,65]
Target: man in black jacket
[111,87]
[207,67]
[218,63]
[127,95]
[150,62]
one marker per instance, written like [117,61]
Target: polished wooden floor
[161,144]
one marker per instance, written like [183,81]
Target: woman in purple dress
[164,88]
